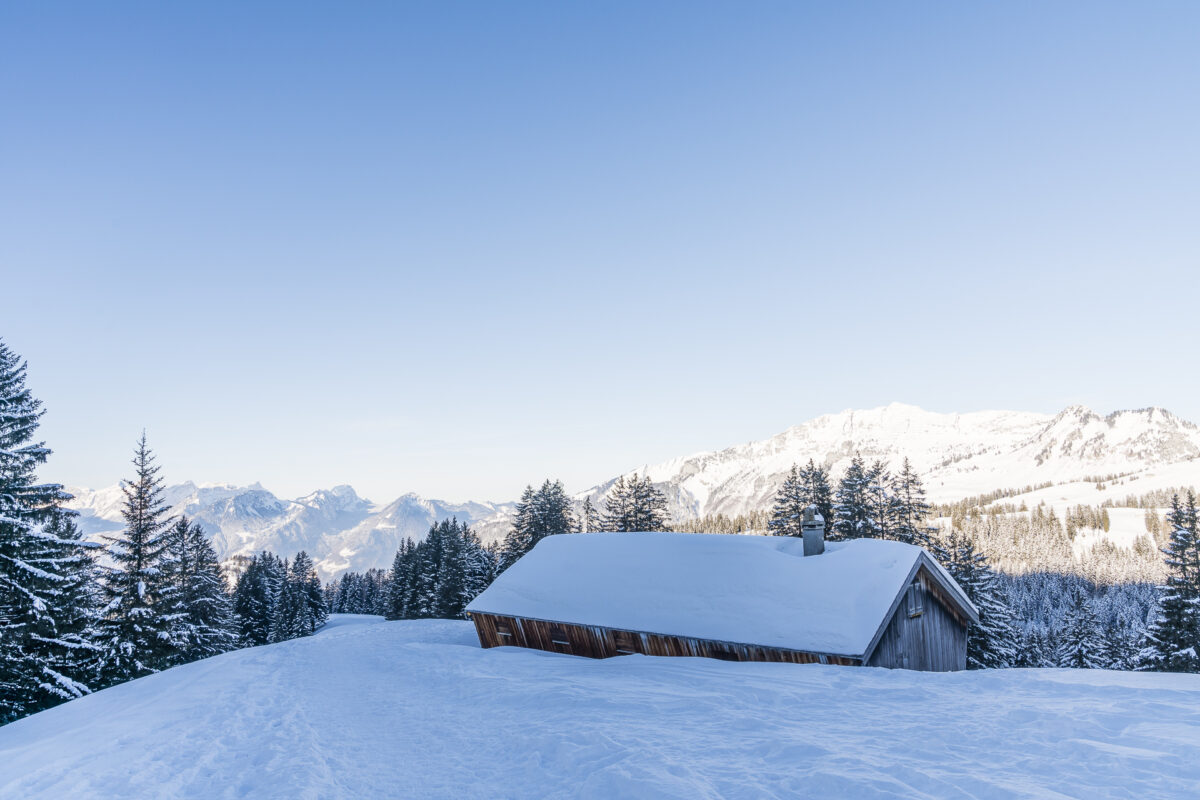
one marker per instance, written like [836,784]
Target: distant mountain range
[958,455]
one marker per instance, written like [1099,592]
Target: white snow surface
[745,589]
[368,709]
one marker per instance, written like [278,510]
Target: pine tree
[815,490]
[134,633]
[634,505]
[589,517]
[1034,650]
[852,506]
[787,512]
[479,566]
[45,573]
[451,589]
[255,599]
[193,597]
[519,540]
[881,506]
[1080,645]
[288,620]
[541,513]
[911,511]
[308,585]
[993,642]
[428,559]
[1172,642]
[1120,648]
[400,581]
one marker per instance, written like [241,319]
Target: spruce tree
[135,634]
[287,621]
[255,599]
[787,512]
[193,598]
[635,505]
[1034,650]
[911,511]
[815,490]
[66,647]
[1080,645]
[541,513]
[1120,647]
[400,581]
[479,566]
[45,573]
[852,507]
[308,585]
[1172,642]
[881,506]
[993,642]
[450,579]
[589,517]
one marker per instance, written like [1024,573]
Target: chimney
[813,528]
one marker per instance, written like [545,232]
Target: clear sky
[454,248]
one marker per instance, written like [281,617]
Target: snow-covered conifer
[1080,643]
[991,643]
[193,597]
[910,509]
[541,513]
[304,575]
[46,586]
[135,634]
[634,505]
[589,517]
[255,598]
[815,490]
[852,507]
[1173,640]
[787,512]
[881,506]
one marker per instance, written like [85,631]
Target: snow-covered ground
[416,709]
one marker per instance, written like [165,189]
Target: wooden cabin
[735,598]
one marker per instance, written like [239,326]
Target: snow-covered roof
[746,589]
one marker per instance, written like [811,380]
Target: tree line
[1058,623]
[77,616]
[438,576]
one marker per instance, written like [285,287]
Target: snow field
[416,709]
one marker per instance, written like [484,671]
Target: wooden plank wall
[598,642]
[935,641]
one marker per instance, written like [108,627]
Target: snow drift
[416,709]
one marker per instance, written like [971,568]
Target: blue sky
[454,248]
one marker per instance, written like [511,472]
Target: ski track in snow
[416,709]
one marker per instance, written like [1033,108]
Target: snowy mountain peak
[958,455]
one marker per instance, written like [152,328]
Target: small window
[558,636]
[915,609]
[722,654]
[503,629]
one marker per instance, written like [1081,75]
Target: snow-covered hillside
[416,709]
[958,455]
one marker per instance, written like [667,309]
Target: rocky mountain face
[958,455]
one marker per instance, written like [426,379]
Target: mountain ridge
[957,455]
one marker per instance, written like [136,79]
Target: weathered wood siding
[598,642]
[935,640]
